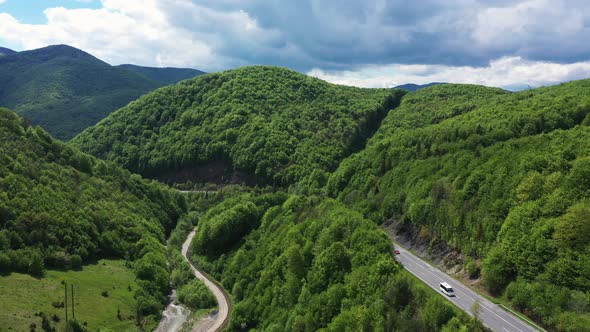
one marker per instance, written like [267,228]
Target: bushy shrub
[196,295]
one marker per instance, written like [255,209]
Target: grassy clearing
[23,296]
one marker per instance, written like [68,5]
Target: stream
[174,316]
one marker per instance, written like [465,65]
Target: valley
[288,182]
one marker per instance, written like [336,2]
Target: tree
[76,261]
[329,267]
[437,313]
[573,228]
[36,263]
[497,271]
[578,180]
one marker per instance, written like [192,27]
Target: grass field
[22,296]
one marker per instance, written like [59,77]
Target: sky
[370,43]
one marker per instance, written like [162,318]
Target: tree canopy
[503,177]
[313,264]
[272,124]
[61,208]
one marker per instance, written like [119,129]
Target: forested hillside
[505,178]
[60,209]
[164,76]
[259,125]
[66,90]
[6,51]
[295,263]
[502,177]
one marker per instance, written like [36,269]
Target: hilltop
[6,51]
[258,125]
[66,90]
[500,178]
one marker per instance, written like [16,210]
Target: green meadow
[100,291]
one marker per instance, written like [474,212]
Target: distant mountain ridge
[6,51]
[164,75]
[66,90]
[411,87]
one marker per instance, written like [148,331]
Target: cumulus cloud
[510,73]
[547,30]
[348,38]
[458,33]
[145,32]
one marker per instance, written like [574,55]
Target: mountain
[6,51]
[60,208]
[502,178]
[258,125]
[66,90]
[164,76]
[411,87]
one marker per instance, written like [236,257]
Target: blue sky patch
[31,11]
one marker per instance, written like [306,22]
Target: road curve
[224,311]
[492,315]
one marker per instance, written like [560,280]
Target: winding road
[220,319]
[175,316]
[492,315]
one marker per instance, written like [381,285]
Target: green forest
[164,76]
[272,124]
[310,263]
[504,177]
[61,209]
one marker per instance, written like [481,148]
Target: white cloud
[435,40]
[545,29]
[147,32]
[505,72]
[2,1]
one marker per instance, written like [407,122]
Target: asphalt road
[222,317]
[492,315]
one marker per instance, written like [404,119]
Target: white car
[447,289]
